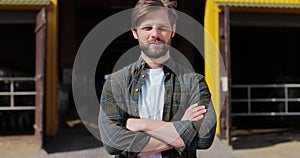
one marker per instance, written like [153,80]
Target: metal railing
[251,100]
[11,82]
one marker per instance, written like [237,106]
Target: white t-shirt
[151,98]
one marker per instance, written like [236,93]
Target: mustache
[156,42]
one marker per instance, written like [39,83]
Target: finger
[196,109]
[199,107]
[198,113]
[196,104]
[195,112]
[193,106]
[198,118]
[202,107]
[202,111]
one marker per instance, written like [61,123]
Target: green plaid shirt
[119,101]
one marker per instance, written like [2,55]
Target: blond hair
[143,7]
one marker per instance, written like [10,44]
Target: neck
[157,62]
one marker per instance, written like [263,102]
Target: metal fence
[265,100]
[12,87]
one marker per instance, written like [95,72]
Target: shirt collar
[169,65]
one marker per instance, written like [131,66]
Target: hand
[194,113]
[134,124]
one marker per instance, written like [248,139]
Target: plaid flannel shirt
[119,101]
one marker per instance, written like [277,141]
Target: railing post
[12,100]
[286,94]
[249,99]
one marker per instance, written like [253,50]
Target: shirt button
[143,76]
[137,90]
[135,110]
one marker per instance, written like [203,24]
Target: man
[155,108]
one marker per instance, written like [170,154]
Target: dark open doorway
[264,56]
[17,71]
[265,80]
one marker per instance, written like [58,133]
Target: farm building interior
[17,61]
[264,68]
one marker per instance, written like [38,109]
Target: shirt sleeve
[207,125]
[186,131]
[116,139]
[204,129]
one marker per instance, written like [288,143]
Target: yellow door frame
[211,25]
[52,69]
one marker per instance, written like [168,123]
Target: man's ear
[134,33]
[173,30]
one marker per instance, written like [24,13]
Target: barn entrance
[267,70]
[265,90]
[22,72]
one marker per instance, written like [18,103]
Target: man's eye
[164,28]
[147,28]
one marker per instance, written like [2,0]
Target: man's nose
[155,32]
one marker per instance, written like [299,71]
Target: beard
[155,52]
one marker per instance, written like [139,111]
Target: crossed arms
[124,134]
[163,134]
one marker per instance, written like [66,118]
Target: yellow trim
[51,69]
[260,1]
[290,4]
[265,10]
[20,7]
[23,4]
[211,24]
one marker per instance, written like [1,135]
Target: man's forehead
[157,16]
[150,22]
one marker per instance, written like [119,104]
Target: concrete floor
[267,143]
[29,150]
[78,143]
[18,147]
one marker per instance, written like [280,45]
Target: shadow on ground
[264,131]
[70,139]
[258,138]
